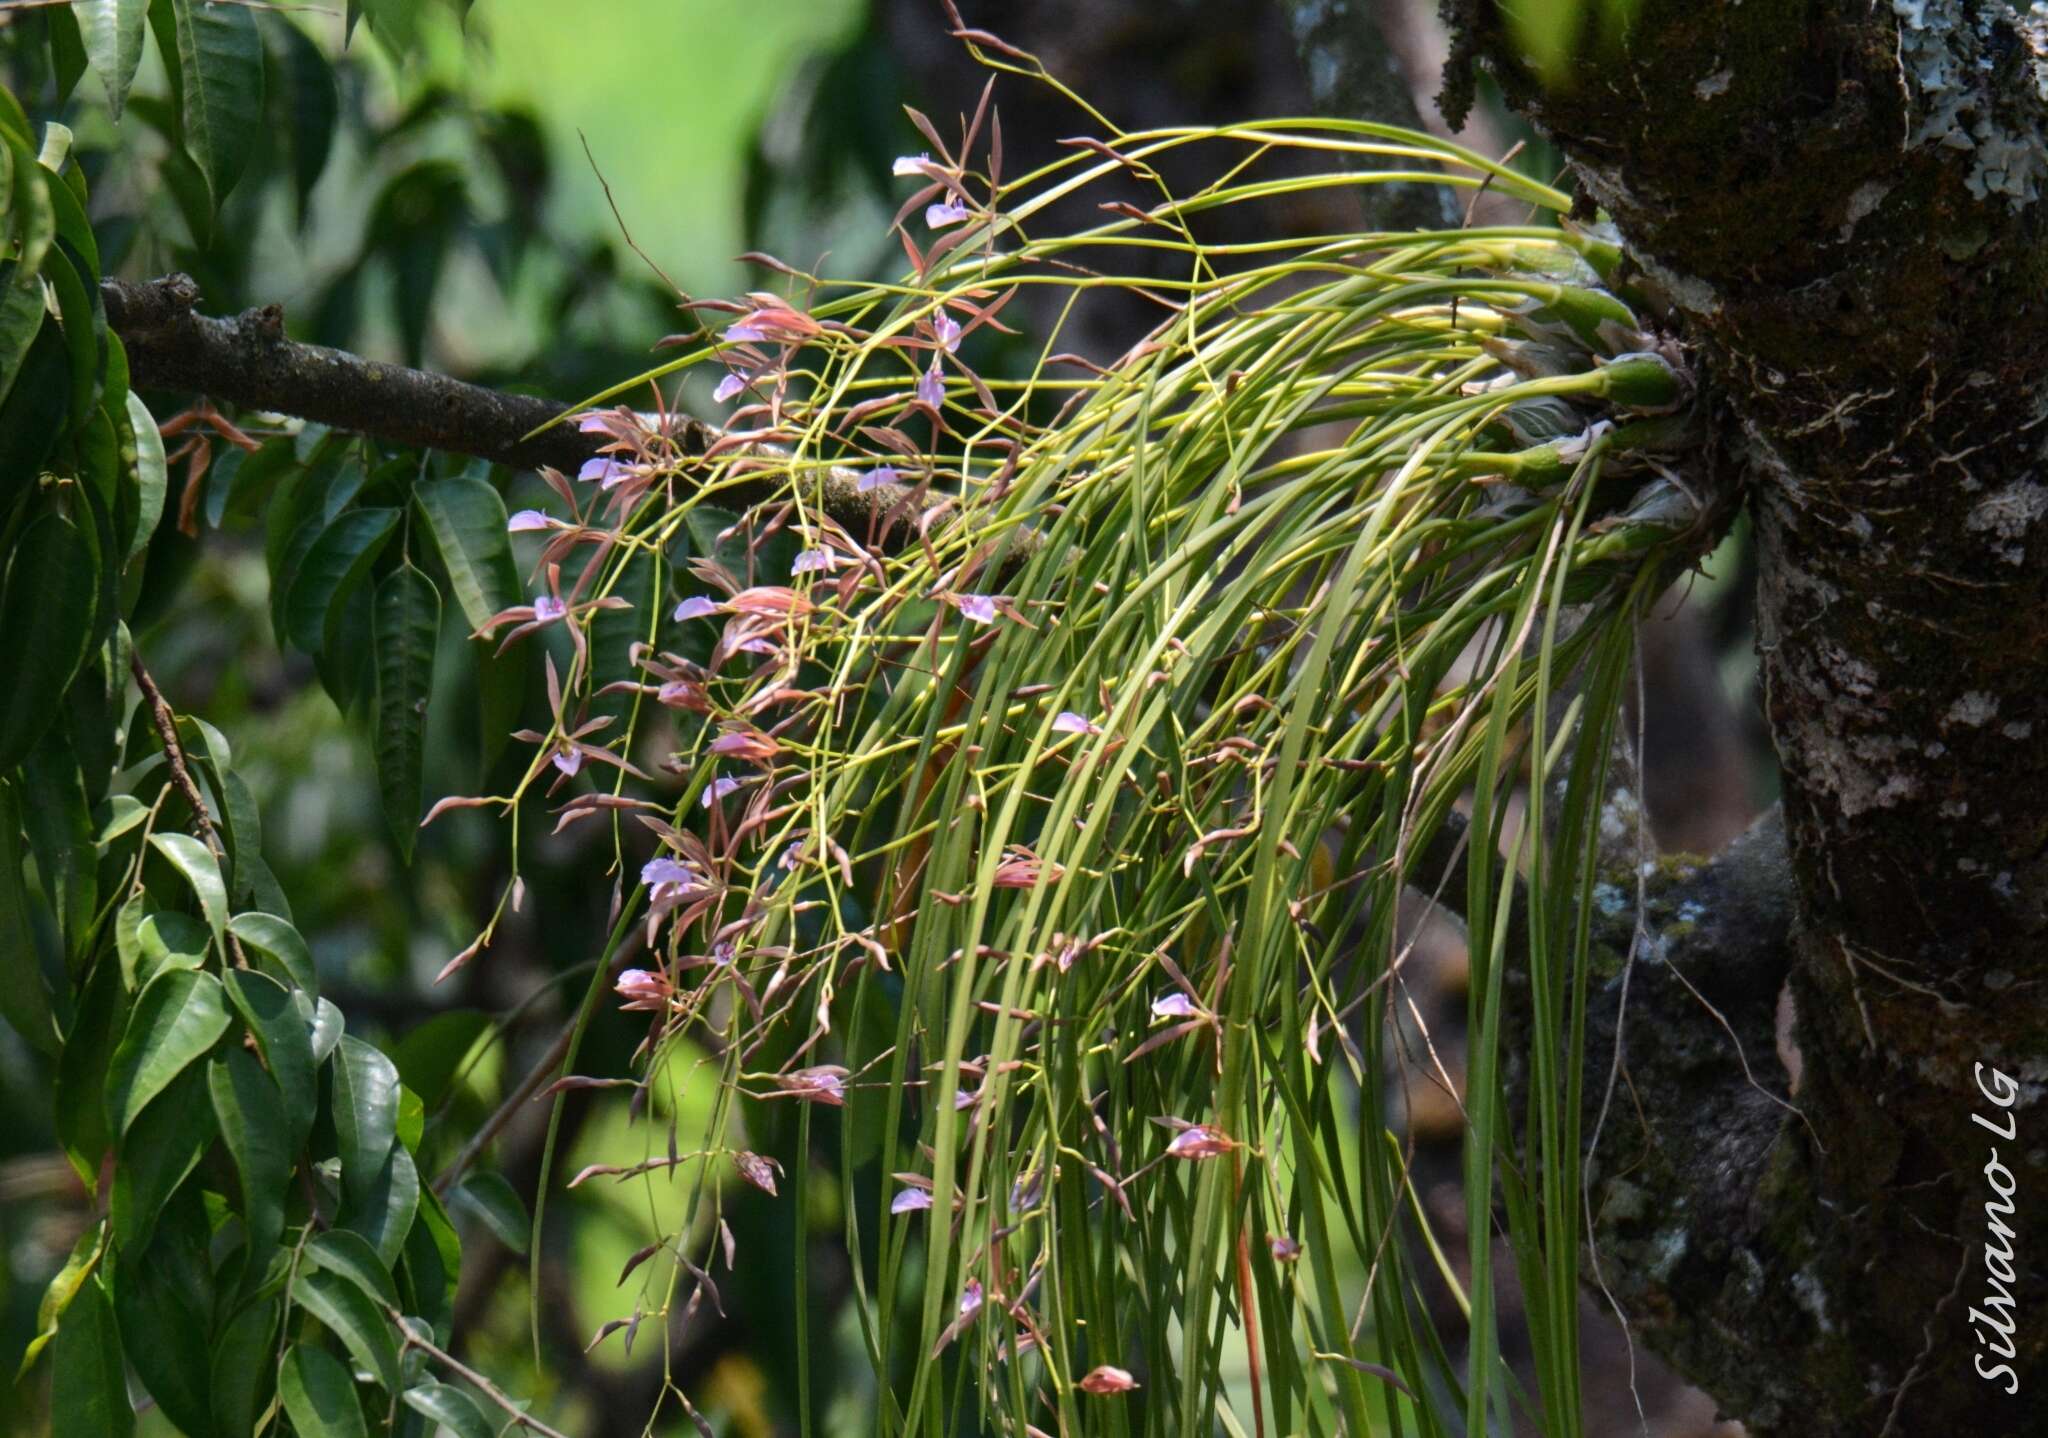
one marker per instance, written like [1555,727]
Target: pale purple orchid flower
[944,213]
[970,1298]
[745,331]
[717,789]
[547,608]
[1199,1141]
[910,164]
[965,1098]
[931,385]
[525,520]
[1284,1249]
[811,560]
[875,478]
[911,1200]
[696,607]
[722,953]
[593,423]
[977,607]
[667,871]
[642,989]
[754,646]
[567,758]
[947,331]
[1174,1005]
[1068,722]
[731,385]
[603,468]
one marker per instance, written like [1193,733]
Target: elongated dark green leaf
[290,961]
[467,519]
[176,1019]
[451,1408]
[281,1033]
[383,1214]
[491,1200]
[46,626]
[33,224]
[334,565]
[250,1110]
[218,81]
[365,1107]
[350,1315]
[328,1027]
[42,389]
[60,1291]
[163,941]
[319,1395]
[150,477]
[433,1259]
[158,1151]
[82,323]
[96,1028]
[243,1362]
[407,621]
[165,1338]
[89,1380]
[24,992]
[429,1055]
[192,859]
[112,31]
[59,825]
[356,1259]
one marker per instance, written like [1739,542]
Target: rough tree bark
[1843,202]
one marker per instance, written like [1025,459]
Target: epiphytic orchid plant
[1017,762]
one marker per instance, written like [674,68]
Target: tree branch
[249,362]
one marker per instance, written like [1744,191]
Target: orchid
[943,213]
[527,520]
[731,385]
[931,386]
[910,164]
[875,478]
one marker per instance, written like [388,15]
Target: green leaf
[83,323]
[33,224]
[490,1199]
[350,1315]
[319,1395]
[163,941]
[46,626]
[192,859]
[281,1033]
[24,992]
[166,1339]
[334,565]
[354,1258]
[314,106]
[243,1362]
[406,624]
[60,1291]
[412,1119]
[383,1213]
[433,1259]
[217,78]
[96,1028]
[291,962]
[328,1028]
[112,31]
[250,1110]
[451,1408]
[178,1017]
[150,476]
[41,389]
[467,520]
[365,1107]
[58,821]
[164,1144]
[89,1380]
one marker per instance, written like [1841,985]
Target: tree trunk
[1843,203]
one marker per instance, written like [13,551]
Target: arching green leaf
[195,861]
[214,57]
[250,1110]
[166,1140]
[176,1019]
[243,1362]
[57,1296]
[319,1395]
[452,1408]
[383,1213]
[282,1034]
[112,32]
[365,1105]
[24,993]
[89,1381]
[164,941]
[407,622]
[328,1027]
[349,1254]
[352,1316]
[274,939]
[165,1339]
[31,224]
[467,519]
[334,565]
[46,626]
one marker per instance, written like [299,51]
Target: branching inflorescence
[1020,757]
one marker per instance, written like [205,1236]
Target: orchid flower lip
[977,607]
[931,385]
[696,607]
[602,468]
[910,1200]
[910,164]
[745,331]
[943,213]
[947,331]
[525,520]
[875,478]
[731,385]
[717,789]
[568,758]
[547,608]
